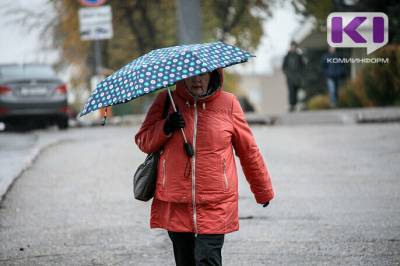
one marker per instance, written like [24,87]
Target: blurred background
[66,195]
[50,34]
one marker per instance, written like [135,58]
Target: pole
[189,21]
[97,57]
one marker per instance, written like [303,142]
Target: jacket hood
[182,91]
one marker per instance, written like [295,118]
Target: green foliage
[318,102]
[375,84]
[382,81]
[235,21]
[318,9]
[139,26]
[352,94]
[231,83]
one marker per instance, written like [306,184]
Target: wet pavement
[15,153]
[337,201]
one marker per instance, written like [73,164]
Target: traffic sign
[92,2]
[95,23]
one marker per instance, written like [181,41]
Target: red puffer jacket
[200,194]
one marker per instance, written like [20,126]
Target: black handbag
[144,180]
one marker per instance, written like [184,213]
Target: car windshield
[21,71]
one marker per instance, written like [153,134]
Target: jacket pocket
[209,174]
[225,178]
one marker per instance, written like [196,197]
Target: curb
[333,117]
[7,183]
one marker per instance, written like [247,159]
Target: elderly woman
[196,198]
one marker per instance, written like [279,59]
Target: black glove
[173,122]
[266,204]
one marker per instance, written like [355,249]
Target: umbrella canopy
[162,68]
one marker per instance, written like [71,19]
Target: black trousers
[191,250]
[293,89]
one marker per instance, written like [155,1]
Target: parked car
[32,94]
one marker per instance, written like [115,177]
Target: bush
[375,84]
[318,102]
[382,81]
[352,93]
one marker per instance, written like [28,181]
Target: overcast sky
[17,45]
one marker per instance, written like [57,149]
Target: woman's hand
[173,122]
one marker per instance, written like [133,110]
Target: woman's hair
[214,83]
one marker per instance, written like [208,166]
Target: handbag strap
[166,106]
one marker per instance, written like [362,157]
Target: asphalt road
[337,202]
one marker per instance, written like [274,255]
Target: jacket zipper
[194,170]
[226,179]
[164,174]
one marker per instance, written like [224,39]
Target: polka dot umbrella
[160,69]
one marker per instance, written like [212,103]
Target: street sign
[95,23]
[92,2]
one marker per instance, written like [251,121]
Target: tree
[321,9]
[140,26]
[235,21]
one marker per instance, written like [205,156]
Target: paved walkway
[18,150]
[337,202]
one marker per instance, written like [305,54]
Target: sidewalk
[340,116]
[19,150]
[336,201]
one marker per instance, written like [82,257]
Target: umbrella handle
[188,147]
[103,123]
